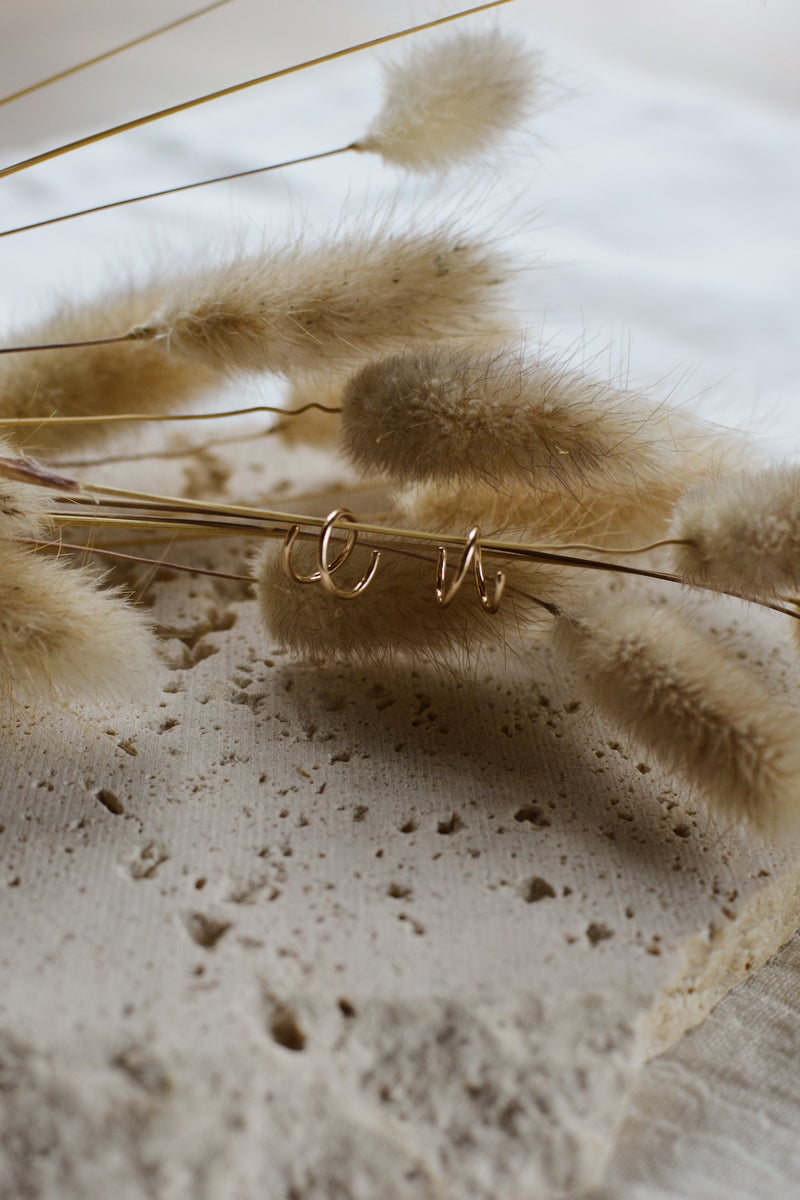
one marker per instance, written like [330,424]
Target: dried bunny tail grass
[60,635]
[608,518]
[691,706]
[609,514]
[302,308]
[398,616]
[741,533]
[451,101]
[125,377]
[453,414]
[22,505]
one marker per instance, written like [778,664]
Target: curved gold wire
[490,604]
[317,576]
[325,571]
[470,558]
[446,595]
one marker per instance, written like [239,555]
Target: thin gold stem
[103,418]
[91,62]
[184,187]
[629,550]
[173,109]
[107,341]
[134,558]
[203,527]
[276,524]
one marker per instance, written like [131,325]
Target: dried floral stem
[440,108]
[98,58]
[138,122]
[162,512]
[121,418]
[105,552]
[173,191]
[278,524]
[82,345]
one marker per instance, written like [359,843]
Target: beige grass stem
[107,54]
[173,191]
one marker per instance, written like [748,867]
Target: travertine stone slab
[354,924]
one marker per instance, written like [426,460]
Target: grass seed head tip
[682,698]
[741,533]
[451,100]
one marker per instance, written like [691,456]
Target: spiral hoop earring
[325,570]
[470,558]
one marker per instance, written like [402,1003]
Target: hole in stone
[110,801]
[536,888]
[598,932]
[206,931]
[285,1029]
[532,814]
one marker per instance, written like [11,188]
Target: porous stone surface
[301,928]
[401,1099]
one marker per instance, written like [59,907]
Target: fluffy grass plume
[741,533]
[22,506]
[684,700]
[126,377]
[452,100]
[453,414]
[607,514]
[61,635]
[397,615]
[299,308]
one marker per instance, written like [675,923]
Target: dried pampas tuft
[296,309]
[741,533]
[22,505]
[682,699]
[60,635]
[452,101]
[125,377]
[459,414]
[398,615]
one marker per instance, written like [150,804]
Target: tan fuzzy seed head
[741,533]
[22,506]
[451,101]
[299,309]
[683,699]
[126,377]
[61,635]
[453,414]
[398,615]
